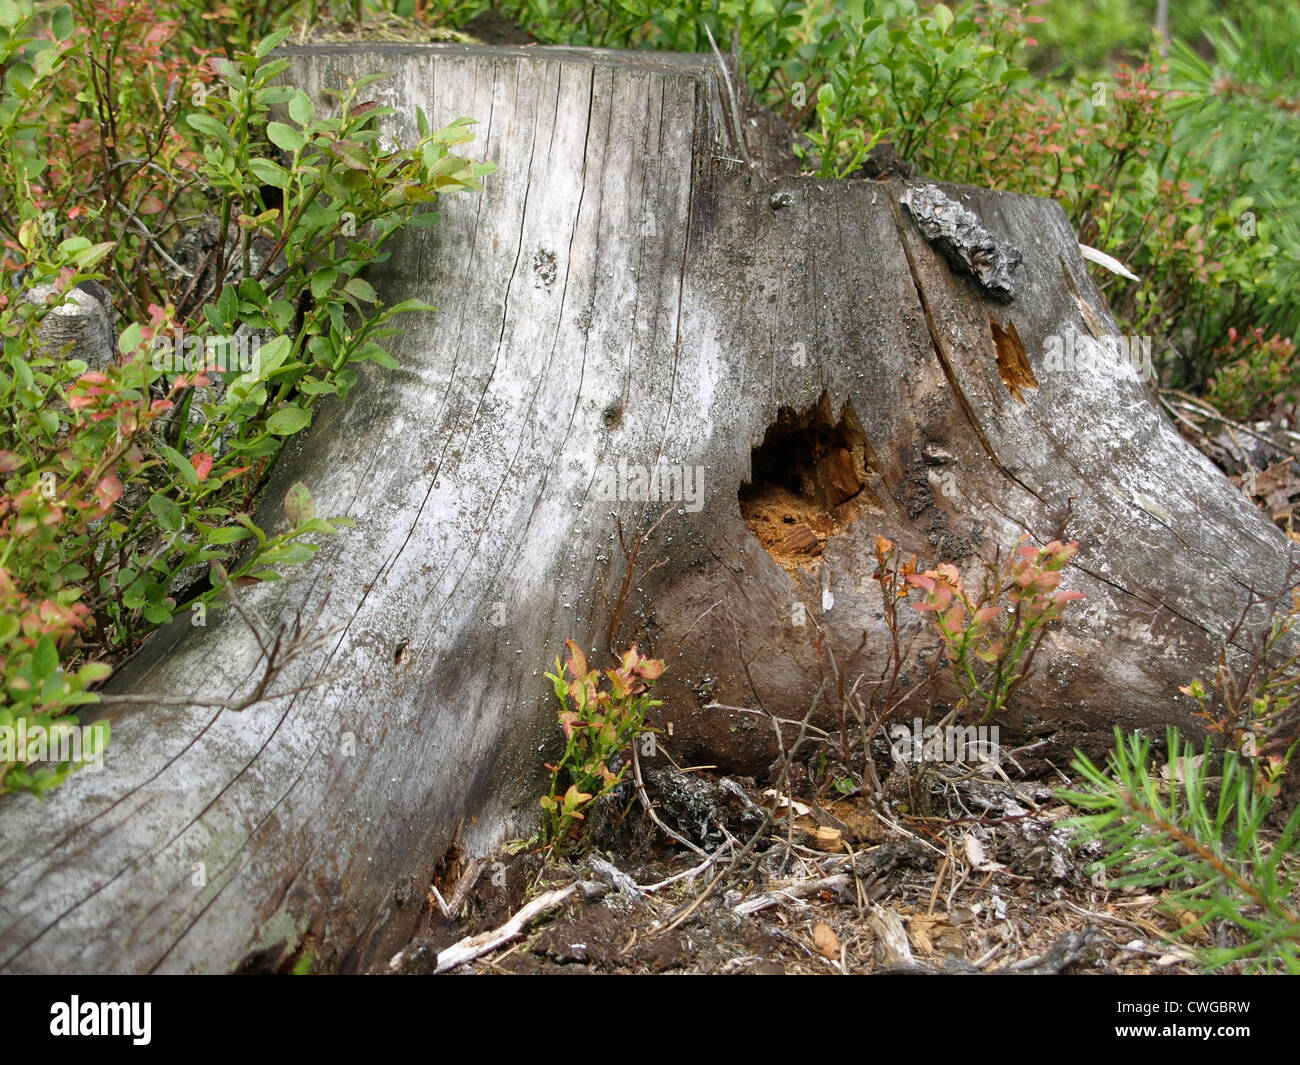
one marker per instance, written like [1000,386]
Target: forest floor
[988,881]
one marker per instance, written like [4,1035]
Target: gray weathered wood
[79,328]
[619,293]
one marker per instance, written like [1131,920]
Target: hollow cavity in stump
[807,482]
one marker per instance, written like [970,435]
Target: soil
[988,881]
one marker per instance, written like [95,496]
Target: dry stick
[689,874]
[780,720]
[278,654]
[768,817]
[1190,402]
[786,759]
[694,904]
[649,806]
[442,903]
[471,947]
[619,606]
[465,883]
[731,100]
[793,890]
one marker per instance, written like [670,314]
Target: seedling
[599,725]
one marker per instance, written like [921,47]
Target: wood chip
[892,947]
[830,840]
[799,539]
[826,941]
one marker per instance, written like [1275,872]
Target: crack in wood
[945,356]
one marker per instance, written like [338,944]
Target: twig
[442,903]
[471,947]
[649,807]
[731,99]
[690,874]
[797,889]
[290,643]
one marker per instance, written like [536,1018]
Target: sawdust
[809,481]
[791,529]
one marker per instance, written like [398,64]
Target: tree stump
[792,367]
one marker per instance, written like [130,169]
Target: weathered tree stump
[623,299]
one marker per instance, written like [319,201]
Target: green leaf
[288,420]
[63,23]
[299,507]
[284,136]
[288,554]
[301,109]
[269,357]
[360,290]
[316,525]
[252,292]
[166,511]
[23,372]
[181,465]
[45,660]
[252,527]
[94,671]
[322,281]
[268,45]
[209,125]
[129,339]
[374,353]
[228,306]
[269,173]
[157,614]
[226,535]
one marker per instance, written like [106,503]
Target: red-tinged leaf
[352,157]
[202,465]
[234,473]
[9,462]
[650,668]
[150,205]
[108,491]
[577,663]
[619,685]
